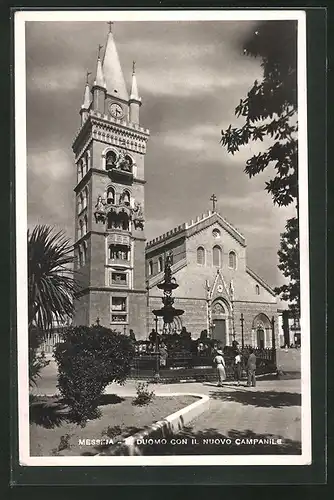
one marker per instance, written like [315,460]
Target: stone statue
[138,216]
[100,214]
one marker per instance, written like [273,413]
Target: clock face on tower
[116,110]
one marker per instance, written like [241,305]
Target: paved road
[271,410]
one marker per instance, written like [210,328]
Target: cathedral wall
[178,248]
[251,310]
[98,259]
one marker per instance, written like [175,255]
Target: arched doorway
[220,321]
[260,337]
[261,331]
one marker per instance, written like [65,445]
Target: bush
[90,358]
[144,396]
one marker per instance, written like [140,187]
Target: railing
[50,340]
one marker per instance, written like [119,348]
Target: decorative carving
[218,309]
[123,163]
[138,216]
[100,212]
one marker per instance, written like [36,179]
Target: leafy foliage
[270,112]
[51,285]
[144,395]
[89,358]
[288,256]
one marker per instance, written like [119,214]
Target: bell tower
[109,149]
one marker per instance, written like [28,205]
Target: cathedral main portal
[220,322]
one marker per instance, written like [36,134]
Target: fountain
[168,312]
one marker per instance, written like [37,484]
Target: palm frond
[51,286]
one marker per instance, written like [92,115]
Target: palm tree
[51,286]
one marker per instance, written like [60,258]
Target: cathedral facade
[217,290]
[118,272]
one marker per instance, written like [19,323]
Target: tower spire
[99,78]
[134,87]
[86,102]
[112,70]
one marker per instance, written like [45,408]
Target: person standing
[251,367]
[237,366]
[220,365]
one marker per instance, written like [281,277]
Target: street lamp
[157,374]
[242,329]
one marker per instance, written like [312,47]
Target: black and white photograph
[162,238]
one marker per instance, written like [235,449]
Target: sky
[191,76]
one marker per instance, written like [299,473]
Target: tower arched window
[160,264]
[82,173]
[127,165]
[150,268]
[85,225]
[200,256]
[111,160]
[79,256]
[80,202]
[84,253]
[81,233]
[232,260]
[216,256]
[88,160]
[111,196]
[84,198]
[125,198]
[118,221]
[257,289]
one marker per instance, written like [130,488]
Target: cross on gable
[213,199]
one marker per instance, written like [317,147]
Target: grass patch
[53,433]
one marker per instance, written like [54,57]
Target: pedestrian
[220,365]
[251,367]
[163,354]
[237,366]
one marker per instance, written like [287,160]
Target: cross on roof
[213,199]
[133,66]
[110,25]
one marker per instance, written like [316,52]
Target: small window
[200,256]
[118,278]
[216,256]
[232,260]
[160,264]
[257,289]
[119,252]
[118,304]
[150,268]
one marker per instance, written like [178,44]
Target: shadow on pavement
[264,399]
